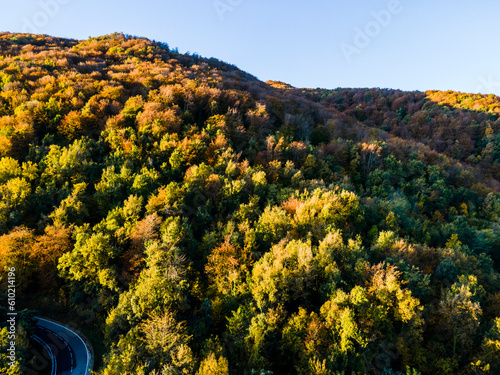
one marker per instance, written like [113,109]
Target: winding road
[69,353]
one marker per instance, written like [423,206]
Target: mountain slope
[194,219]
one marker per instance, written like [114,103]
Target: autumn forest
[191,219]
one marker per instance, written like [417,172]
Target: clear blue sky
[424,45]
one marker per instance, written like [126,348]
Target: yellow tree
[15,251]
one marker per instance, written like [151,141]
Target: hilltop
[195,220]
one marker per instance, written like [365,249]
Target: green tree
[283,275]
[460,314]
[91,262]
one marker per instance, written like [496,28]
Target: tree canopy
[205,222]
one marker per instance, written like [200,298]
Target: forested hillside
[191,219]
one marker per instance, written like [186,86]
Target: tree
[9,168]
[144,182]
[490,348]
[213,365]
[340,316]
[46,252]
[73,125]
[62,165]
[144,231]
[227,268]
[370,158]
[157,120]
[72,209]
[113,187]
[168,342]
[306,343]
[161,284]
[283,275]
[15,192]
[15,250]
[460,315]
[91,260]
[272,226]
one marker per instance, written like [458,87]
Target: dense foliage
[210,223]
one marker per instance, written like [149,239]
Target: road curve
[68,350]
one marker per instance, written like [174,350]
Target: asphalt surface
[64,350]
[42,363]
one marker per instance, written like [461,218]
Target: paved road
[67,351]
